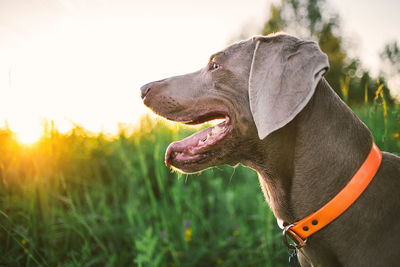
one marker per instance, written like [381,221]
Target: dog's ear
[284,74]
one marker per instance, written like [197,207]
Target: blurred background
[82,175]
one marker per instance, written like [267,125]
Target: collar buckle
[298,242]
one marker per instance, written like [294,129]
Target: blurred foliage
[82,200]
[390,57]
[391,54]
[313,19]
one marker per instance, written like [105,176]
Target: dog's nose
[145,89]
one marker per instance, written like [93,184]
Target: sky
[83,61]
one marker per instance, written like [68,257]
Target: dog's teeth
[217,129]
[201,142]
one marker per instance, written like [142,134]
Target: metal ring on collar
[298,241]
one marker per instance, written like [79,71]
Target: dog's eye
[214,66]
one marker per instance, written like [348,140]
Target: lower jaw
[192,155]
[201,153]
[192,161]
[190,167]
[203,164]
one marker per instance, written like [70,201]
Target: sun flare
[28,138]
[27,131]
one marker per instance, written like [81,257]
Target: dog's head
[257,86]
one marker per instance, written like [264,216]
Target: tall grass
[383,120]
[82,200]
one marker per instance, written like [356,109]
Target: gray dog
[283,120]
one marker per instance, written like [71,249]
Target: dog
[282,119]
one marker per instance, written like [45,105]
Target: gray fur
[284,74]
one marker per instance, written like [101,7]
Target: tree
[305,19]
[391,56]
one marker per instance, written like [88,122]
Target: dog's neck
[307,162]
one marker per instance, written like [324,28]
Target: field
[79,199]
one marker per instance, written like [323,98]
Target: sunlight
[28,131]
[28,138]
[61,71]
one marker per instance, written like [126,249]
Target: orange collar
[299,231]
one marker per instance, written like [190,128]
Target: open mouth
[196,148]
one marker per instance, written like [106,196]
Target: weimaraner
[283,120]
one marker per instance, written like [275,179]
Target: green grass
[88,201]
[82,200]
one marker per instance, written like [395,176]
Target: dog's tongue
[187,145]
[193,147]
